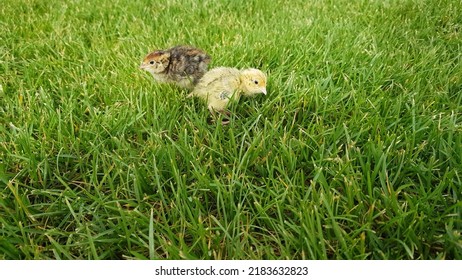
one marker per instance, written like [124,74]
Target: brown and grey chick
[180,65]
[221,85]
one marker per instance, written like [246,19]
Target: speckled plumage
[180,65]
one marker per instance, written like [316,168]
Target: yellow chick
[220,85]
[180,65]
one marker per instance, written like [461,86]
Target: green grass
[356,152]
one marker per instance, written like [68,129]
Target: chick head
[156,62]
[253,81]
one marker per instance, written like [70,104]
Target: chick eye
[151,62]
[256,82]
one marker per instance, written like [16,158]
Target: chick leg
[225,120]
[214,112]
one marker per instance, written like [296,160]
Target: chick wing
[217,87]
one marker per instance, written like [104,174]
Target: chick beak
[263,90]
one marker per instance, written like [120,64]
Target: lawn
[355,153]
